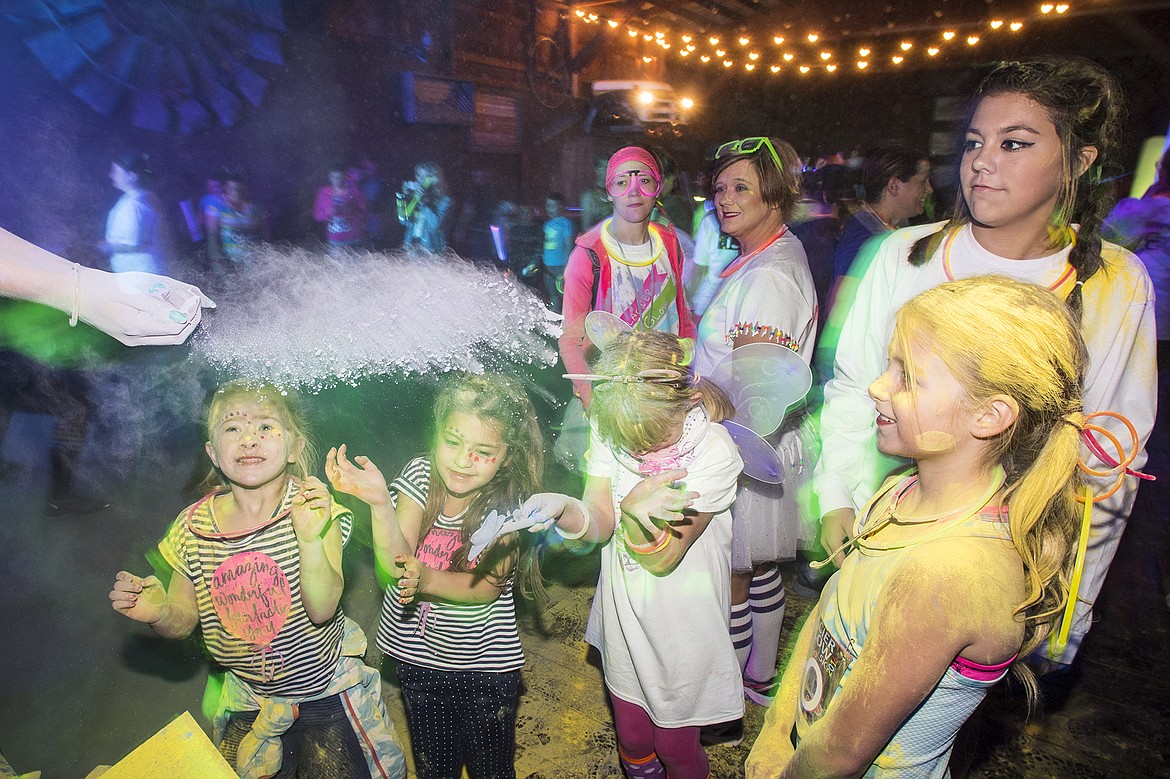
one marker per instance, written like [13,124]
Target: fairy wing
[760,460]
[762,380]
[602,327]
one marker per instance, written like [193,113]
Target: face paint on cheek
[935,441]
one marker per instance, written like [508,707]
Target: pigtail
[1044,518]
[718,406]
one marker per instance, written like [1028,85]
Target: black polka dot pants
[460,716]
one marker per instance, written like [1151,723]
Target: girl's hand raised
[360,478]
[409,572]
[311,509]
[656,498]
[140,599]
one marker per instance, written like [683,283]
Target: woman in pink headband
[625,265]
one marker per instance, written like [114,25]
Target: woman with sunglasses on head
[625,265]
[766,294]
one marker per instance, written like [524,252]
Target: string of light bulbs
[803,54]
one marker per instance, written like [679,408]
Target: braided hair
[1084,104]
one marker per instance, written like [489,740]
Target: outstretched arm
[135,308]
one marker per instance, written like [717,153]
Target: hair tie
[1119,466]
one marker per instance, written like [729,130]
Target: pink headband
[631,154]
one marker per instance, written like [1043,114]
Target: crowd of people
[989,385]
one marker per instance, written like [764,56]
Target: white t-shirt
[665,640]
[773,290]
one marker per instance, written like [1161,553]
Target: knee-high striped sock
[643,767]
[766,598]
[741,631]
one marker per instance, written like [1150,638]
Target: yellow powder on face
[935,441]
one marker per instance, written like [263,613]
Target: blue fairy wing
[760,460]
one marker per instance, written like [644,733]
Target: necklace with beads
[1062,287]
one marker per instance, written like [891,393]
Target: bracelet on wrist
[656,545]
[584,525]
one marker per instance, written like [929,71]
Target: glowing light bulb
[743,41]
[686,39]
[996,24]
[1016,26]
[647,37]
[948,35]
[659,35]
[754,55]
[830,68]
[932,50]
[788,57]
[907,45]
[813,37]
[972,40]
[580,14]
[775,68]
[713,40]
[863,52]
[719,52]
[778,39]
[1046,8]
[826,55]
[727,63]
[665,45]
[1061,8]
[632,33]
[690,47]
[897,59]
[687,103]
[862,65]
[804,68]
[749,66]
[705,58]
[647,59]
[593,17]
[683,53]
[612,24]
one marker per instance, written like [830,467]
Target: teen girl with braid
[1030,206]
[959,567]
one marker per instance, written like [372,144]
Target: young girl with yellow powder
[958,568]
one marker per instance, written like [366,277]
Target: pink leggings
[678,749]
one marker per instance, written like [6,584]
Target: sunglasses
[747,146]
[624,183]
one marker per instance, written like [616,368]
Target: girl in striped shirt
[256,566]
[450,623]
